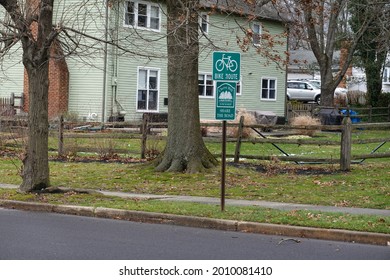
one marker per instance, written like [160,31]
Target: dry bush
[249,119]
[340,101]
[106,149]
[305,120]
[357,97]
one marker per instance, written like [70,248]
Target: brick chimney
[58,76]
[343,57]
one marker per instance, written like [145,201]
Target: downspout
[104,93]
[115,61]
[286,74]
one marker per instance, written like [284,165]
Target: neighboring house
[386,78]
[303,66]
[106,82]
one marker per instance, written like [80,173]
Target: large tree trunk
[35,163]
[327,85]
[36,42]
[185,149]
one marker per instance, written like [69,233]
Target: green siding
[11,73]
[225,31]
[86,65]
[145,48]
[11,67]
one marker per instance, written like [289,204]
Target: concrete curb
[190,221]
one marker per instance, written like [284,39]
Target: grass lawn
[367,185]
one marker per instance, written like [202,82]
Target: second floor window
[204,23]
[141,14]
[256,33]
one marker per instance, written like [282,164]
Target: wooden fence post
[346,144]
[61,136]
[145,120]
[370,114]
[388,113]
[239,137]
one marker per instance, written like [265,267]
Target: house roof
[304,60]
[240,7]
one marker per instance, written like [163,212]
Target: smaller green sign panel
[225,102]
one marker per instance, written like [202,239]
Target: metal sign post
[223,171]
[226,71]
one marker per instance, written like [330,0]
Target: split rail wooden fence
[142,131]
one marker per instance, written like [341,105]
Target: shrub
[356,97]
[305,120]
[384,99]
[249,119]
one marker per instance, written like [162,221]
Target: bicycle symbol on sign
[226,62]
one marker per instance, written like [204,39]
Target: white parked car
[338,93]
[309,91]
[303,91]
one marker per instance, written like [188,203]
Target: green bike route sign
[225,104]
[226,66]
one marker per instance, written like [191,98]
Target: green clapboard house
[103,82]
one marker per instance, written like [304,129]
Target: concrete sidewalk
[238,202]
[227,225]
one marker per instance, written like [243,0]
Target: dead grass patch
[305,121]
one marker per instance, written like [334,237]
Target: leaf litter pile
[274,169]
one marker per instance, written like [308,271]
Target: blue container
[352,114]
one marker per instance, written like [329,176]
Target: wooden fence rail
[6,107]
[143,130]
[366,114]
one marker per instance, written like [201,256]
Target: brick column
[343,58]
[58,75]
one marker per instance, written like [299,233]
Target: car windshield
[315,85]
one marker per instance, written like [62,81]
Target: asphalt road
[48,236]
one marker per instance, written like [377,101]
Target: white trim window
[256,33]
[143,15]
[205,85]
[239,87]
[386,75]
[268,89]
[148,89]
[204,23]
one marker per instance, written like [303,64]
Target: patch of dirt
[84,159]
[283,169]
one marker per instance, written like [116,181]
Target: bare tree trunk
[185,149]
[35,163]
[36,41]
[327,85]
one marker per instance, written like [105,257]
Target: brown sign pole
[223,173]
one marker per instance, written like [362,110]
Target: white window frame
[204,21]
[205,75]
[149,6]
[239,92]
[256,36]
[386,75]
[268,89]
[148,89]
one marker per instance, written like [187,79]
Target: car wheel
[318,99]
